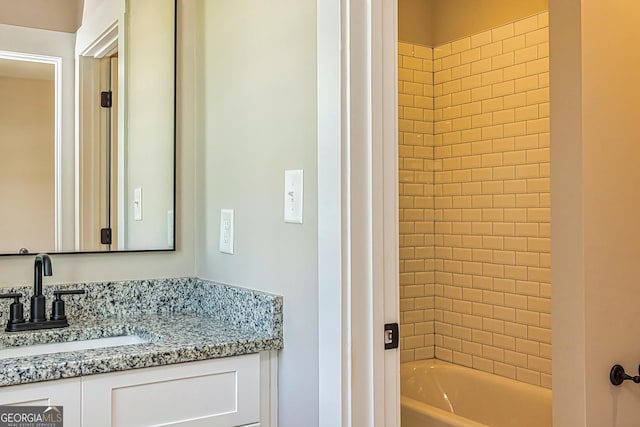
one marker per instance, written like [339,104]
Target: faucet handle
[57,307]
[16,309]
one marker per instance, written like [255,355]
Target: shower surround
[475,201]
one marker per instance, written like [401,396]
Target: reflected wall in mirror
[87,139]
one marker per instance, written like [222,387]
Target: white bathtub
[440,394]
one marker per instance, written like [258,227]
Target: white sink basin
[61,347]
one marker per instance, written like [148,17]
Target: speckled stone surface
[184,320]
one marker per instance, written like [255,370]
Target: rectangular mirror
[87,125]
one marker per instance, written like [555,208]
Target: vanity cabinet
[218,392]
[65,393]
[224,392]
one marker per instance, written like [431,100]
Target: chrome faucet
[38,319]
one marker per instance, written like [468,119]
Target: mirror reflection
[87,125]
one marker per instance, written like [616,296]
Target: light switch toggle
[137,204]
[293,197]
[226,231]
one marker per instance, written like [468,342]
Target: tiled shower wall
[492,307]
[415,147]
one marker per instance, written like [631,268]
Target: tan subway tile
[470,55]
[460,98]
[543,80]
[493,159]
[528,200]
[504,258]
[481,39]
[444,354]
[526,54]
[538,126]
[542,335]
[424,353]
[506,285]
[423,52]
[545,380]
[545,350]
[526,25]
[492,214]
[481,93]
[483,364]
[414,341]
[528,376]
[538,66]
[442,51]
[530,318]
[473,242]
[527,347]
[491,77]
[482,201]
[515,186]
[504,201]
[493,353]
[503,61]
[516,330]
[503,116]
[539,364]
[492,297]
[480,67]
[516,359]
[515,129]
[504,313]
[491,105]
[504,144]
[504,370]
[472,348]
[462,359]
[452,318]
[514,271]
[539,244]
[493,325]
[411,63]
[451,61]
[538,96]
[503,88]
[537,37]
[482,282]
[516,100]
[527,288]
[543,19]
[504,229]
[515,72]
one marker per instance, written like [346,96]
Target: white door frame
[358,212]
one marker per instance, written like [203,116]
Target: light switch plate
[137,204]
[293,197]
[226,231]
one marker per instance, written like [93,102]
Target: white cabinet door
[65,393]
[219,392]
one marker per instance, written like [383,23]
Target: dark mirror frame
[175,164]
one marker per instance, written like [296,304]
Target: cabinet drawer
[219,392]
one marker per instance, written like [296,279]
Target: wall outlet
[226,231]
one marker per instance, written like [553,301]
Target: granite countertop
[183,320]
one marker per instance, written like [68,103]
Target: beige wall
[595,202]
[55,15]
[27,163]
[434,22]
[415,150]
[488,197]
[257,80]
